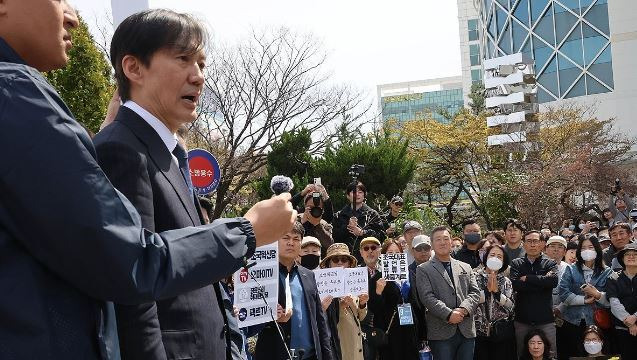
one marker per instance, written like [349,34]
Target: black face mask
[316,212]
[472,238]
[310,261]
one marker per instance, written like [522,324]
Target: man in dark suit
[301,317]
[83,244]
[158,59]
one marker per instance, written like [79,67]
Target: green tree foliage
[388,167]
[477,97]
[85,83]
[290,157]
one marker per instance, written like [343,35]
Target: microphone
[250,265]
[262,296]
[280,184]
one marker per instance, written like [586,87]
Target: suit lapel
[161,157]
[443,272]
[456,269]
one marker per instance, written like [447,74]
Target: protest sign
[252,285]
[394,266]
[339,282]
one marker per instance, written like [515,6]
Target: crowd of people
[512,293]
[122,262]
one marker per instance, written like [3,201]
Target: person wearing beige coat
[348,311]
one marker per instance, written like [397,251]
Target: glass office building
[569,40]
[422,105]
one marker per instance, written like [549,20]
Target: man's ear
[132,68]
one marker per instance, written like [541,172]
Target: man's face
[170,86]
[630,258]
[533,245]
[410,234]
[471,229]
[360,196]
[619,237]
[421,253]
[513,235]
[311,249]
[441,243]
[608,215]
[370,254]
[571,256]
[556,251]
[396,206]
[38,30]
[290,246]
[620,205]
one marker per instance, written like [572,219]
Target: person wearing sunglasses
[347,312]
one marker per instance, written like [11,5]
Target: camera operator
[312,218]
[619,204]
[326,202]
[351,226]
[395,206]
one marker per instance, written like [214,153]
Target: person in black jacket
[303,322]
[469,252]
[351,226]
[534,276]
[621,290]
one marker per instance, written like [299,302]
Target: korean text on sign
[259,282]
[394,266]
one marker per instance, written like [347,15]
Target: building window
[476,75]
[474,54]
[473,29]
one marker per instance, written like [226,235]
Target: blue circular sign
[204,171]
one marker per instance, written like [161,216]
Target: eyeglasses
[533,242]
[398,204]
[421,248]
[339,259]
[368,248]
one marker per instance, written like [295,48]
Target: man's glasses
[421,248]
[368,248]
[398,204]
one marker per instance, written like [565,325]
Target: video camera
[356,170]
[633,215]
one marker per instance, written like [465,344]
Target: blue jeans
[456,347]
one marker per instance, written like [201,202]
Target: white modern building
[584,50]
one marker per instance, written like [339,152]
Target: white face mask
[589,255]
[494,263]
[593,347]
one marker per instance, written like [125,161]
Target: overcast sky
[368,42]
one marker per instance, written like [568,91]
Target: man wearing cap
[421,251]
[620,236]
[310,252]
[395,206]
[556,249]
[469,253]
[621,288]
[411,229]
[370,252]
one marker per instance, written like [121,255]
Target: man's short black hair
[621,225]
[438,229]
[144,33]
[468,222]
[515,223]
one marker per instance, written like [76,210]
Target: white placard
[338,282]
[248,292]
[394,266]
[356,281]
[329,282]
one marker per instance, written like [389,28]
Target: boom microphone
[280,184]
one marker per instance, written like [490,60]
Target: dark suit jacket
[138,163]
[69,241]
[269,345]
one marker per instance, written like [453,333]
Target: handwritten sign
[339,282]
[394,266]
[259,282]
